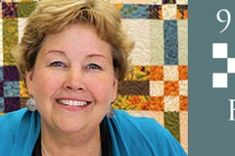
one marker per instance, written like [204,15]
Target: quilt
[157,83]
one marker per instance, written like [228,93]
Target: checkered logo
[220,51]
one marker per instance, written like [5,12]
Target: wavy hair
[51,16]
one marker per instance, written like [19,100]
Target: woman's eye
[58,64]
[94,66]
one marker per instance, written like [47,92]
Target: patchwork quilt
[157,83]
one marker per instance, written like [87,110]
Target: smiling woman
[72,56]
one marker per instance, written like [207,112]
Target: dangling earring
[109,112]
[31,104]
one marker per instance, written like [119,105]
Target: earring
[31,104]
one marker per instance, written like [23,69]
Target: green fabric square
[10,39]
[24,9]
[171,122]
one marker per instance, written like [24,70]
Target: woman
[71,56]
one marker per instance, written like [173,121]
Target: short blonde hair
[51,16]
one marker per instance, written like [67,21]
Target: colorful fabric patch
[9,10]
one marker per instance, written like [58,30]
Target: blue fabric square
[2,104]
[1,73]
[170,43]
[11,89]
[134,11]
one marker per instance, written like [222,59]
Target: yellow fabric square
[169,11]
[183,87]
[184,130]
[156,42]
[171,73]
[183,41]
[171,104]
[156,88]
[139,31]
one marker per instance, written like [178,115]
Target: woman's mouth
[76,103]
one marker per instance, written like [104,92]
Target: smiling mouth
[75,103]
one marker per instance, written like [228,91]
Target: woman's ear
[29,81]
[115,88]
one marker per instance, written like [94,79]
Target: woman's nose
[74,80]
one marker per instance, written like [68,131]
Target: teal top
[131,136]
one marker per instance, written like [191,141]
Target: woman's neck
[58,143]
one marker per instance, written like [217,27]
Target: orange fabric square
[155,103]
[171,88]
[183,103]
[156,73]
[183,72]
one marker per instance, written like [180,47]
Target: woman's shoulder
[146,132]
[17,129]
[12,118]
[18,121]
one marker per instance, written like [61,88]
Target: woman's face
[73,80]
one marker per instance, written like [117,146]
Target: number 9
[227,20]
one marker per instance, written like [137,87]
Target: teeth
[73,102]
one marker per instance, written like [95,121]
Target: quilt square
[171,73]
[139,102]
[171,104]
[10,33]
[171,88]
[138,73]
[156,88]
[1,105]
[183,103]
[183,72]
[1,74]
[182,12]
[183,87]
[155,12]
[134,11]
[171,122]
[23,90]
[133,88]
[11,104]
[10,73]
[11,89]
[169,11]
[24,9]
[182,1]
[182,26]
[184,130]
[156,36]
[156,73]
[155,103]
[170,42]
[9,10]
